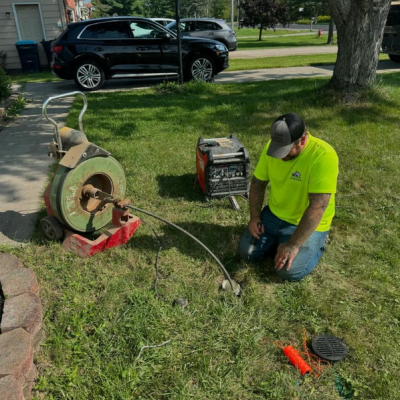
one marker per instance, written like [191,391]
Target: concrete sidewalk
[288,51]
[24,164]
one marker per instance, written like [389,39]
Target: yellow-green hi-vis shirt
[314,170]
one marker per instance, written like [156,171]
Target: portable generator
[223,167]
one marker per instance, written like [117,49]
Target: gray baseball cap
[285,130]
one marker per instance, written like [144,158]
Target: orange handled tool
[296,360]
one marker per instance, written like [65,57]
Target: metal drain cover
[329,347]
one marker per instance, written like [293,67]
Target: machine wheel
[89,75]
[51,228]
[201,68]
[394,57]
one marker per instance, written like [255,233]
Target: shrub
[5,85]
[16,106]
[321,20]
[324,19]
[3,59]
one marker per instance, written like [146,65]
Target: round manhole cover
[329,347]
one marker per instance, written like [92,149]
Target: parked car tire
[395,58]
[89,75]
[201,68]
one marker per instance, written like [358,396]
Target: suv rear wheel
[89,75]
[201,68]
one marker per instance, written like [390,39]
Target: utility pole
[178,33]
[238,9]
[232,12]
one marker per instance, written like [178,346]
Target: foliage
[264,14]
[103,8]
[163,8]
[304,10]
[158,8]
[5,85]
[3,59]
[321,19]
[324,19]
[17,105]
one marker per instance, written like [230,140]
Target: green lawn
[99,312]
[287,41]
[46,76]
[270,32]
[287,61]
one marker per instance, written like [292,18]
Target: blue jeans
[276,232]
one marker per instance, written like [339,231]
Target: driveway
[24,164]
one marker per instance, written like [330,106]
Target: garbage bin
[47,49]
[28,55]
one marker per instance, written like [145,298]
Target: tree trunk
[260,34]
[330,32]
[359,25]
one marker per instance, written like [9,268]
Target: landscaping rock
[10,389]
[19,281]
[16,354]
[24,311]
[30,382]
[8,263]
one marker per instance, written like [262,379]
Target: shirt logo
[296,176]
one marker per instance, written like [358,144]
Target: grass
[270,32]
[46,76]
[287,61]
[99,312]
[277,42]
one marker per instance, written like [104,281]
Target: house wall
[52,13]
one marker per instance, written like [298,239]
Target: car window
[217,27]
[204,26]
[145,30]
[188,26]
[107,30]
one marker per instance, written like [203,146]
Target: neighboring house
[83,10]
[34,20]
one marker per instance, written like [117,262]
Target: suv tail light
[56,49]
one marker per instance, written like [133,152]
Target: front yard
[101,311]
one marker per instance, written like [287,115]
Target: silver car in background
[163,21]
[209,28]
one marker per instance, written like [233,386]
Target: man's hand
[256,228]
[256,199]
[285,254]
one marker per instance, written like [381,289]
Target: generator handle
[51,120]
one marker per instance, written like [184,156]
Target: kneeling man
[302,171]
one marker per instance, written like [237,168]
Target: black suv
[131,47]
